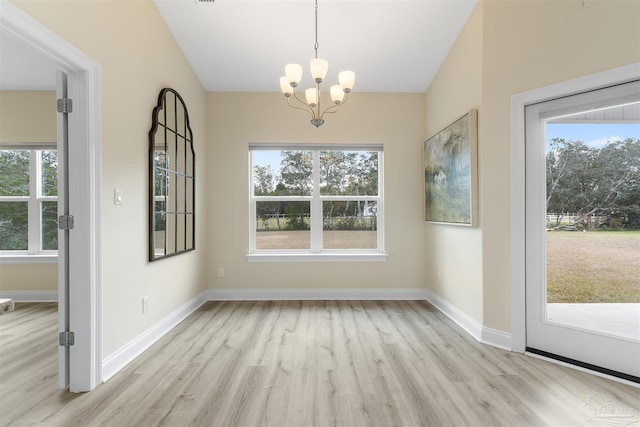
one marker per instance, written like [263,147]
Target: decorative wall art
[450,173]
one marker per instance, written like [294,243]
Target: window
[321,202]
[28,201]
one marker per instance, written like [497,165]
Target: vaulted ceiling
[240,45]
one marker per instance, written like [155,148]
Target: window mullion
[252,206]
[34,205]
[380,203]
[316,207]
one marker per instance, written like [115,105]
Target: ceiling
[392,45]
[240,45]
[22,67]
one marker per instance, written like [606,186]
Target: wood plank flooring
[304,363]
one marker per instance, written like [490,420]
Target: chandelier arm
[306,107]
[329,110]
[335,106]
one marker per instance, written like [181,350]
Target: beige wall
[524,45]
[28,277]
[28,116]
[453,257]
[138,57]
[236,119]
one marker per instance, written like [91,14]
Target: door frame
[84,189]
[518,103]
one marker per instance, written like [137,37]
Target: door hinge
[66,339]
[65,222]
[65,105]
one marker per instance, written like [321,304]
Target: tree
[296,172]
[14,181]
[595,181]
[263,180]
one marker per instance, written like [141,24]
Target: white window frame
[316,253]
[34,252]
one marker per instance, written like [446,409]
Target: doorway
[84,190]
[582,229]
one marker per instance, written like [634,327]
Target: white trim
[481,333]
[118,360]
[518,104]
[496,338]
[28,259]
[323,257]
[315,201]
[314,294]
[85,154]
[30,296]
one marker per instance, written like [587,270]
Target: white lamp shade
[312,96]
[319,68]
[337,94]
[346,79]
[285,86]
[293,72]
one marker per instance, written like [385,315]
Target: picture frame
[450,160]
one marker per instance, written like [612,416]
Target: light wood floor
[334,363]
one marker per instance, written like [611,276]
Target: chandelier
[319,68]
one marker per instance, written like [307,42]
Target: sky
[594,135]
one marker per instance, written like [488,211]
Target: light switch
[118,196]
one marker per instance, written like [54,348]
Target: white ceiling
[392,45]
[22,67]
[240,45]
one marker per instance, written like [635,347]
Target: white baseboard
[30,296]
[313,294]
[118,360]
[483,334]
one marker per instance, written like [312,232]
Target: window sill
[28,259]
[327,257]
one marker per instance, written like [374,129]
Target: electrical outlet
[145,304]
[220,272]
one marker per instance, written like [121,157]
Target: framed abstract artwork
[450,173]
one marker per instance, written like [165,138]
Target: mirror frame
[174,199]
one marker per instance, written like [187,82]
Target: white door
[63,233]
[582,272]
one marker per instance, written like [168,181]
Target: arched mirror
[172,178]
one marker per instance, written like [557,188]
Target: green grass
[591,267]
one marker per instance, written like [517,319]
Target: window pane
[282,173]
[350,225]
[592,223]
[50,226]
[349,173]
[14,173]
[14,226]
[283,225]
[160,159]
[49,172]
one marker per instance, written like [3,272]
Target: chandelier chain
[315,46]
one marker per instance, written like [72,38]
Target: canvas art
[450,159]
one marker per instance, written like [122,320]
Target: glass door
[583,229]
